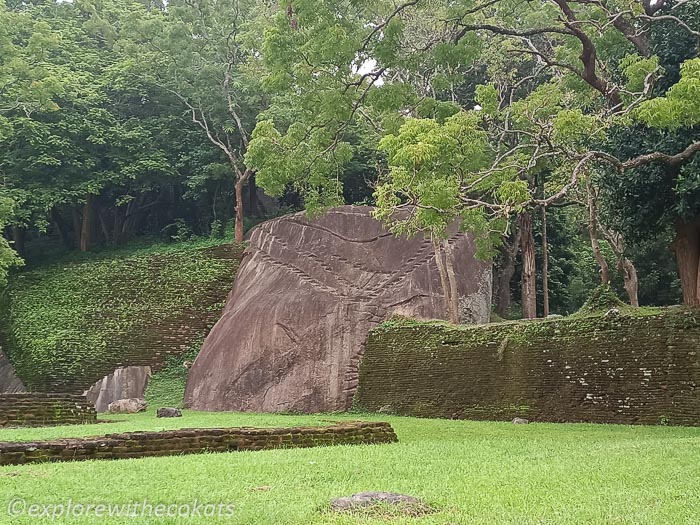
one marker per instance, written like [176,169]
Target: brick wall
[37,410]
[193,441]
[628,369]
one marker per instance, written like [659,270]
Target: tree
[428,161]
[8,256]
[111,155]
[657,198]
[583,69]
[28,80]
[203,53]
[28,83]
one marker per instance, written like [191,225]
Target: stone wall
[38,410]
[193,441]
[641,369]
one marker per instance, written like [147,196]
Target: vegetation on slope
[74,319]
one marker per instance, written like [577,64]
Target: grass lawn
[471,472]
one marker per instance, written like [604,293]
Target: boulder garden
[306,295]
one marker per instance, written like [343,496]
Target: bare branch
[380,27]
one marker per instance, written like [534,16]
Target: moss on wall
[67,325]
[40,410]
[627,368]
[194,441]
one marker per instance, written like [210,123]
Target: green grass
[471,472]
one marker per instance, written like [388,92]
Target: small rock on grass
[520,421]
[369,499]
[169,412]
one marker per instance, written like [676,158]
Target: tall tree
[111,154]
[203,53]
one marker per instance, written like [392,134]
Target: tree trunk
[624,265]
[87,226]
[253,204]
[527,246]
[239,210]
[452,280]
[103,225]
[505,276]
[449,287]
[629,274]
[545,263]
[506,273]
[61,228]
[686,247]
[593,233]
[77,224]
[19,236]
[117,233]
[241,181]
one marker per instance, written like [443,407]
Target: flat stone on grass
[379,504]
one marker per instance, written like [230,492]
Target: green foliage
[680,107]
[639,71]
[8,256]
[601,300]
[428,163]
[646,203]
[29,77]
[487,97]
[292,160]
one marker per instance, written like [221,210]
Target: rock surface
[369,499]
[127,406]
[169,412]
[306,295]
[9,382]
[124,383]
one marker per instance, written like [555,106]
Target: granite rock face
[9,382]
[124,383]
[306,295]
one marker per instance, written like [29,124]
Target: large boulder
[306,295]
[124,383]
[9,382]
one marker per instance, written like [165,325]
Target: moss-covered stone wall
[633,369]
[42,410]
[194,441]
[67,325]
